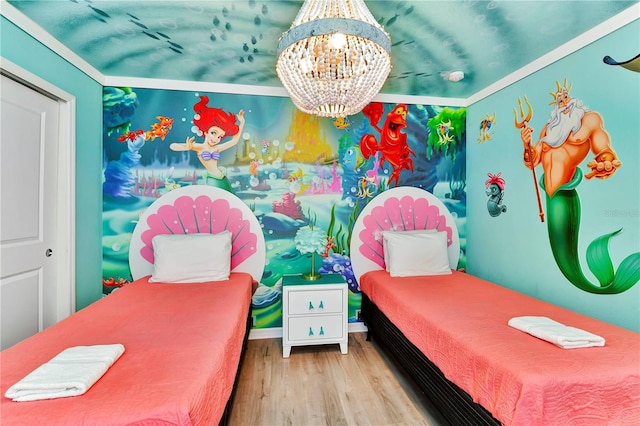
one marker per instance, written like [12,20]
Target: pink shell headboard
[402,208]
[199,209]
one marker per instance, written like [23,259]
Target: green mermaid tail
[563,224]
[219,182]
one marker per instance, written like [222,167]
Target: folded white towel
[70,373]
[106,353]
[559,334]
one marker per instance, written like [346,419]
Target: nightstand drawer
[316,327]
[315,302]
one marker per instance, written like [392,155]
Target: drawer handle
[321,331]
[310,306]
[321,306]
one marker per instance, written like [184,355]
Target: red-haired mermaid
[214,124]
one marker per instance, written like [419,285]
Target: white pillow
[191,258]
[416,253]
[414,231]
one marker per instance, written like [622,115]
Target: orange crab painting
[393,146]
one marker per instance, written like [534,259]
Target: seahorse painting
[495,191]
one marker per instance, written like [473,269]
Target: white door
[28,189]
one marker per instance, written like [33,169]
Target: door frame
[66,230]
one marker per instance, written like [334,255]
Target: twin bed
[184,338]
[450,330]
[183,335]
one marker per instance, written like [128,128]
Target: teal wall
[23,50]
[513,249]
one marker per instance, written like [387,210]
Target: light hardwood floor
[317,385]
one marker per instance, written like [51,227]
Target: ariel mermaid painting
[214,124]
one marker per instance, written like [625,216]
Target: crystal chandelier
[335,57]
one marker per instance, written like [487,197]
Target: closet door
[29,133]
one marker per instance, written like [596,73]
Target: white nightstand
[314,312]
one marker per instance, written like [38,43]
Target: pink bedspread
[460,323]
[182,347]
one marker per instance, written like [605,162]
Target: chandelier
[334,59]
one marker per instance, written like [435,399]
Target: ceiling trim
[41,35]
[196,86]
[30,27]
[203,86]
[420,100]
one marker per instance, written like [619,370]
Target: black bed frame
[455,404]
[226,415]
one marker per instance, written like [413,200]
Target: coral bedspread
[460,323]
[183,343]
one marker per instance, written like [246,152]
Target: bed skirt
[455,404]
[226,415]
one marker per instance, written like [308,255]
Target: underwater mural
[565,141]
[293,170]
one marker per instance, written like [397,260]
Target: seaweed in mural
[447,130]
[447,138]
[337,259]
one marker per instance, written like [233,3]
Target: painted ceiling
[235,41]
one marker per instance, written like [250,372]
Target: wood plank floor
[317,385]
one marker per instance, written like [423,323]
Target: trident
[520,124]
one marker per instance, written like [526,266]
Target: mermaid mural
[289,168]
[564,143]
[214,124]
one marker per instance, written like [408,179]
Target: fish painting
[485,127]
[342,123]
[159,129]
[352,158]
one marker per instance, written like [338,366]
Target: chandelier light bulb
[337,40]
[334,59]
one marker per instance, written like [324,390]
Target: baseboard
[276,332]
[357,327]
[265,333]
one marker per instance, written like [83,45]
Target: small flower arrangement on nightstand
[310,239]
